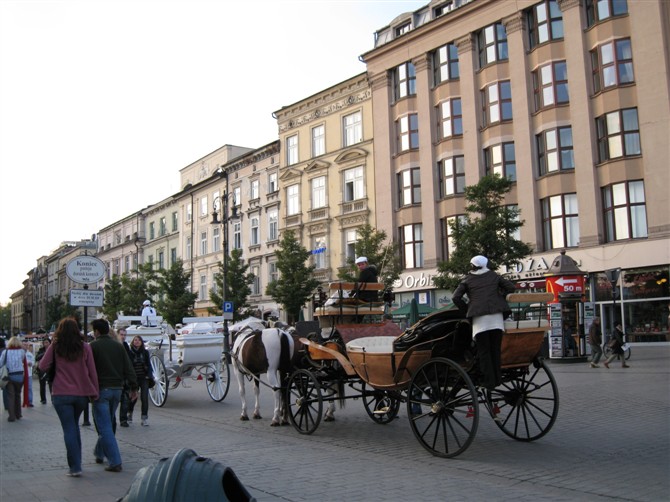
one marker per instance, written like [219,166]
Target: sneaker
[99,460]
[130,419]
[124,424]
[145,422]
[73,474]
[594,365]
[625,366]
[114,468]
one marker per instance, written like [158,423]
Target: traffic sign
[85,269]
[86,297]
[228,309]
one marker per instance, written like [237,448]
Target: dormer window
[403,28]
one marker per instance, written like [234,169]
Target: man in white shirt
[148,311]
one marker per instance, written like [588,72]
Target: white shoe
[145,422]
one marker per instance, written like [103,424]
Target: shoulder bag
[4,373]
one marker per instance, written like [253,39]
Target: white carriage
[177,358]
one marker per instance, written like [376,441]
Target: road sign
[85,269]
[86,297]
[565,284]
[228,309]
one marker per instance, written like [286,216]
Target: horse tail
[340,393]
[284,354]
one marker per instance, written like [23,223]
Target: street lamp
[224,221]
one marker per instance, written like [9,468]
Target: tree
[295,283]
[113,298]
[176,300]
[57,309]
[487,229]
[237,287]
[371,244]
[137,289]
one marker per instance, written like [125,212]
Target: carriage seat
[376,344]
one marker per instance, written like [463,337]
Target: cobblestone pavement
[611,441]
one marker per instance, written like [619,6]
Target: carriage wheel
[217,376]
[159,392]
[305,403]
[382,406]
[443,408]
[527,405]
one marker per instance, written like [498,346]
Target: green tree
[372,244]
[487,229]
[57,309]
[295,283]
[237,287]
[137,289]
[113,303]
[176,301]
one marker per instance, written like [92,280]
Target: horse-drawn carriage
[177,358]
[432,368]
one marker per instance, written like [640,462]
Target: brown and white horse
[258,350]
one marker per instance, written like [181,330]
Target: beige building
[327,177]
[120,246]
[568,98]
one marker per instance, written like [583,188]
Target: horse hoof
[328,419]
[257,417]
[274,424]
[244,418]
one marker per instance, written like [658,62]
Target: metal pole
[226,342]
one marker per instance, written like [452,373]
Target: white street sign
[86,298]
[85,269]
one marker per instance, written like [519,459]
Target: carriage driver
[486,292]
[366,273]
[148,311]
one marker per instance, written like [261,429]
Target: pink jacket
[73,378]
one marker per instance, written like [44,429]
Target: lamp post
[224,221]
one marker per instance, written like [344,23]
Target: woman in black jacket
[139,357]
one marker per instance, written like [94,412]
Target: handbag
[48,375]
[4,376]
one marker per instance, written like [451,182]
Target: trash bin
[186,477]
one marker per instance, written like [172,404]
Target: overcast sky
[100,99]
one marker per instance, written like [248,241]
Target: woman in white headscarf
[486,292]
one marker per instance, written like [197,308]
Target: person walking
[595,341]
[125,392]
[14,357]
[486,292]
[75,383]
[617,348]
[139,356]
[30,361]
[41,375]
[114,368]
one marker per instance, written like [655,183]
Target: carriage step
[382,411]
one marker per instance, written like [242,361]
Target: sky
[101,99]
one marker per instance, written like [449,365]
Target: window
[255,190]
[273,271]
[618,134]
[255,238]
[492,44]
[560,221]
[204,208]
[189,212]
[500,159]
[451,173]
[408,132]
[545,23]
[409,187]
[203,287]
[497,102]
[126,263]
[319,252]
[162,226]
[412,245]
[612,64]
[152,230]
[599,10]
[516,233]
[318,140]
[272,183]
[216,240]
[173,256]
[403,28]
[550,85]
[445,64]
[237,197]
[353,129]
[161,260]
[189,248]
[451,118]
[554,150]
[625,211]
[237,235]
[319,192]
[350,236]
[175,221]
[449,241]
[404,78]
[292,150]
[273,225]
[203,243]
[354,185]
[293,200]
[256,283]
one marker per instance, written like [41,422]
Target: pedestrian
[42,375]
[139,356]
[14,357]
[148,312]
[114,368]
[87,419]
[125,392]
[595,341]
[487,308]
[30,361]
[75,383]
[617,347]
[366,274]
[569,345]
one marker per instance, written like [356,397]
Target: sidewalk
[611,441]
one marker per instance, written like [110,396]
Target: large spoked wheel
[217,376]
[305,402]
[526,405]
[443,408]
[159,392]
[382,406]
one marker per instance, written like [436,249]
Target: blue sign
[228,307]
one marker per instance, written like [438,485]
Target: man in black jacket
[366,273]
[486,292]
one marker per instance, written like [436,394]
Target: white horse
[257,350]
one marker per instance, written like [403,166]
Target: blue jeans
[69,409]
[104,409]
